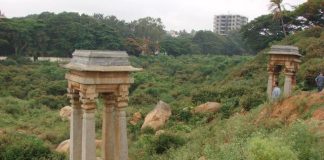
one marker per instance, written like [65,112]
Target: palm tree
[276,8]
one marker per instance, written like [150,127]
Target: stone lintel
[101,61]
[79,67]
[284,50]
[99,80]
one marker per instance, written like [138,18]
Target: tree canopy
[49,34]
[261,31]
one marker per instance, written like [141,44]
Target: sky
[175,14]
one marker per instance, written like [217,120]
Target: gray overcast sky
[175,14]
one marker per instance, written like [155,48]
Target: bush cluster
[16,146]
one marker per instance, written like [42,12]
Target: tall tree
[312,12]
[18,33]
[276,7]
[209,42]
[260,32]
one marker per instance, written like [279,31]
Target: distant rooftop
[2,15]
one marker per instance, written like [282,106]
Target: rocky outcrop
[2,132]
[158,116]
[137,116]
[159,132]
[202,158]
[65,113]
[208,107]
[64,147]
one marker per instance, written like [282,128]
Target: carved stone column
[294,81]
[121,145]
[270,84]
[108,127]
[75,125]
[88,129]
[288,84]
[93,72]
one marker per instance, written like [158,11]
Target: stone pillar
[108,128]
[75,126]
[288,84]
[88,129]
[121,145]
[294,81]
[270,84]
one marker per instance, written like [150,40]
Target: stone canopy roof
[100,61]
[284,50]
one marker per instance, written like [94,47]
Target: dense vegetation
[30,99]
[49,34]
[32,92]
[264,30]
[237,136]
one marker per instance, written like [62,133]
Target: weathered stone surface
[64,146]
[159,132]
[96,60]
[90,73]
[65,113]
[158,116]
[319,114]
[202,158]
[283,59]
[284,50]
[207,107]
[137,116]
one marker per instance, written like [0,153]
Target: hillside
[239,137]
[31,95]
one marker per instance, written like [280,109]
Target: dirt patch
[319,114]
[294,107]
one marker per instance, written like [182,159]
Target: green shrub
[269,149]
[135,130]
[308,72]
[303,142]
[228,107]
[250,101]
[229,151]
[148,130]
[13,106]
[53,102]
[23,147]
[154,92]
[184,115]
[167,141]
[8,62]
[205,95]
[18,60]
[56,88]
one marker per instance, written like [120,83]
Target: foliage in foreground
[18,146]
[237,138]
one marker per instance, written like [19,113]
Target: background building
[2,15]
[223,24]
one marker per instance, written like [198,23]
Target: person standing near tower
[276,92]
[320,81]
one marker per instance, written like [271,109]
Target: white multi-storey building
[223,24]
[2,15]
